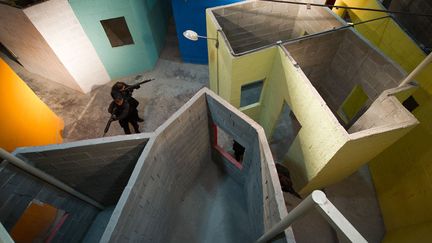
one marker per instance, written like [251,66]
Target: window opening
[353,104]
[229,148]
[284,133]
[117,31]
[251,93]
[410,103]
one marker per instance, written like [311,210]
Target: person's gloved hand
[114,117]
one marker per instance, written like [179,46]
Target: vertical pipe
[417,70]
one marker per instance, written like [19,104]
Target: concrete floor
[85,117]
[355,198]
[213,211]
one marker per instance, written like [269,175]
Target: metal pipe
[319,200]
[354,8]
[417,70]
[47,178]
[294,214]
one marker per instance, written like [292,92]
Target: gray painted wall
[99,170]
[173,160]
[171,165]
[250,174]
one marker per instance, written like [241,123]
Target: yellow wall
[320,154]
[26,120]
[312,148]
[387,35]
[402,176]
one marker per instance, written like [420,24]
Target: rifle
[112,118]
[137,85]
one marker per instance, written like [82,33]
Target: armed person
[120,110]
[126,91]
[124,107]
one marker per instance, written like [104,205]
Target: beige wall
[58,25]
[19,35]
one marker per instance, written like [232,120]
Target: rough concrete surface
[214,208]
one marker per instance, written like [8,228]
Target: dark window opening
[251,93]
[410,104]
[330,2]
[386,3]
[284,133]
[229,148]
[346,16]
[117,31]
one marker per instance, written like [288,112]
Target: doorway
[285,131]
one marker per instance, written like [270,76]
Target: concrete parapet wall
[172,161]
[163,174]
[99,169]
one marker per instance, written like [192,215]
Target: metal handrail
[317,199]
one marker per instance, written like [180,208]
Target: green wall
[147,22]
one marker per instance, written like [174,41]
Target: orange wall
[24,119]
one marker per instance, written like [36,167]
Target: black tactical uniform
[119,88]
[124,114]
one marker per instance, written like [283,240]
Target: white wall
[59,26]
[19,35]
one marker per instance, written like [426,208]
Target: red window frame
[224,153]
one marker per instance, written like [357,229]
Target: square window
[410,103]
[284,133]
[251,93]
[229,148]
[117,31]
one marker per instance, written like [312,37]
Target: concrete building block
[57,23]
[87,167]
[174,160]
[21,37]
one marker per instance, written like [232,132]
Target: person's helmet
[116,95]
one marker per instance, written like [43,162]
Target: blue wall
[190,14]
[147,21]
